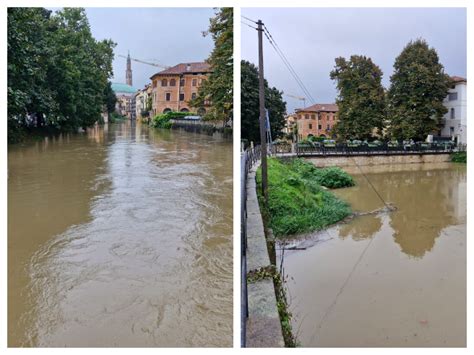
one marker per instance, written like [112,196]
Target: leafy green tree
[110,99]
[361,98]
[57,72]
[218,89]
[418,87]
[29,60]
[250,105]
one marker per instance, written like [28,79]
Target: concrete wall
[378,160]
[263,323]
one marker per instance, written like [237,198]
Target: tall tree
[29,61]
[57,72]
[218,89]
[361,98]
[110,99]
[418,87]
[250,105]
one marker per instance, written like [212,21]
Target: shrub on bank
[331,177]
[297,202]
[459,157]
[163,120]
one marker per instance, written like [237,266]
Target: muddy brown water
[120,237]
[390,279]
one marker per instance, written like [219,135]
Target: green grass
[459,157]
[297,202]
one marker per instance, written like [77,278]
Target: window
[310,126]
[182,82]
[319,126]
[306,116]
[173,82]
[451,130]
[313,117]
[452,96]
[181,97]
[194,82]
[452,113]
[193,95]
[168,96]
[164,82]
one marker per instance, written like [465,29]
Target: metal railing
[374,149]
[248,158]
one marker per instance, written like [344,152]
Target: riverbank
[299,200]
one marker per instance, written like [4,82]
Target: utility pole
[261,92]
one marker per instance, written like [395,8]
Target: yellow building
[174,87]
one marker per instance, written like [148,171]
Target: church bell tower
[128,72]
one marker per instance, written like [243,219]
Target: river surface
[121,236]
[386,279]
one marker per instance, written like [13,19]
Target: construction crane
[143,62]
[298,98]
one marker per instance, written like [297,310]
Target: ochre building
[174,87]
[317,120]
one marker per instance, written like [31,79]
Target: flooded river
[120,237]
[387,279]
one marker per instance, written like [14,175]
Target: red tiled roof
[183,68]
[320,107]
[458,79]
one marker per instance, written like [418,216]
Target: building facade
[290,123]
[454,122]
[142,98]
[174,87]
[125,95]
[317,120]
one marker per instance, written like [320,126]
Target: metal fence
[248,158]
[374,149]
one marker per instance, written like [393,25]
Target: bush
[115,117]
[297,203]
[163,120]
[459,157]
[332,177]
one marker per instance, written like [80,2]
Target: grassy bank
[459,157]
[298,203]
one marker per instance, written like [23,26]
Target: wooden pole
[261,91]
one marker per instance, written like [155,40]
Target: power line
[248,25]
[249,19]
[277,48]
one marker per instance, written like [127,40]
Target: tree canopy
[418,87]
[361,99]
[250,105]
[57,72]
[218,89]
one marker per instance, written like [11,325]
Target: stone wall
[263,323]
[322,161]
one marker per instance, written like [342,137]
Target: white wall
[459,123]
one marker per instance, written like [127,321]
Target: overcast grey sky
[163,35]
[311,38]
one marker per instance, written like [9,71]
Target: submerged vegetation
[163,120]
[459,157]
[297,202]
[270,272]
